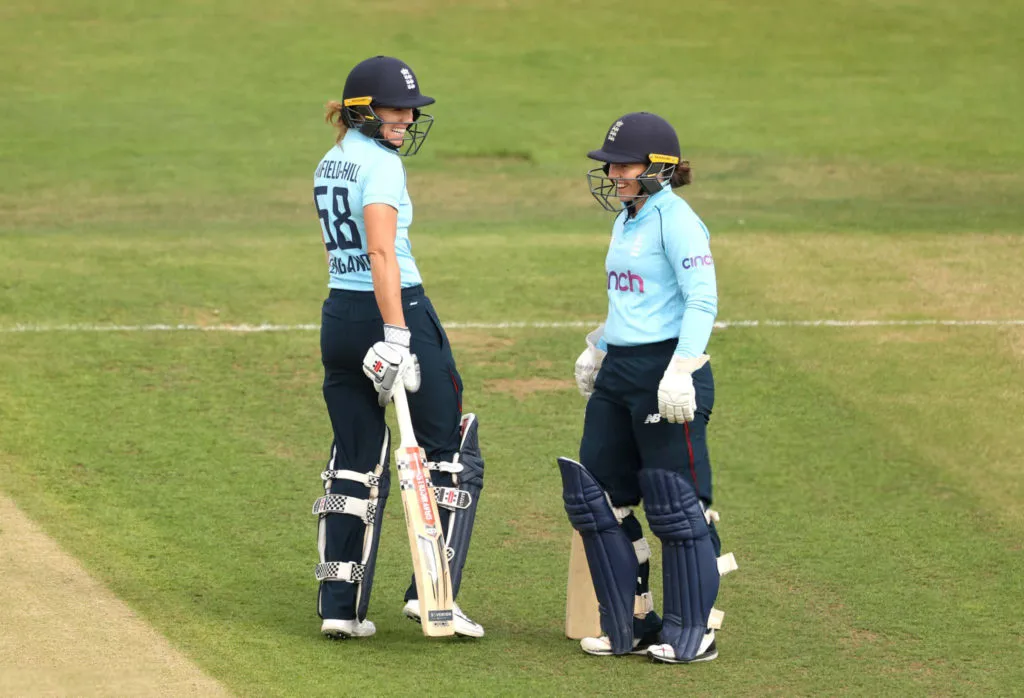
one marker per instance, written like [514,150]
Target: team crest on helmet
[614,130]
[410,81]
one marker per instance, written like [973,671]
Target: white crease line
[266,327]
[156,328]
[867,323]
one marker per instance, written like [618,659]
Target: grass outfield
[854,161]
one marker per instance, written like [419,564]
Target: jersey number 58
[333,220]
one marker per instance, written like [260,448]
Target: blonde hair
[333,117]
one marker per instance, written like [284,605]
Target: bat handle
[406,436]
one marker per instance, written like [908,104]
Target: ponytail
[334,110]
[681,176]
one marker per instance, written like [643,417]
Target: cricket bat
[582,619]
[426,542]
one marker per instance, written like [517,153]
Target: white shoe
[342,629]
[602,646]
[705,653]
[464,625]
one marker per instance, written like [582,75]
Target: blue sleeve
[385,182]
[687,244]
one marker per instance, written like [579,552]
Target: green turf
[853,160]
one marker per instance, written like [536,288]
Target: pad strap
[443,466]
[643,550]
[643,604]
[368,479]
[343,504]
[340,572]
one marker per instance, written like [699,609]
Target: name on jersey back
[338,169]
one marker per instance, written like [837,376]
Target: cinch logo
[699,261]
[625,281]
[409,81]
[614,131]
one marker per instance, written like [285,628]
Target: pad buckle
[343,504]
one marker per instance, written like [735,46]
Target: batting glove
[389,361]
[589,363]
[677,400]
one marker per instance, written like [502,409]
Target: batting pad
[610,554]
[690,573]
[462,499]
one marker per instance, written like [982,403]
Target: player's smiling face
[394,123]
[627,187]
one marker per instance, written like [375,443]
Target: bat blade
[426,542]
[582,618]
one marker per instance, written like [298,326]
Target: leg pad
[610,553]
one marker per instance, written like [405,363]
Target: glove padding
[677,400]
[589,363]
[389,361]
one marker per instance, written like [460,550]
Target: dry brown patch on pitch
[63,633]
[478,341]
[858,638]
[202,317]
[524,387]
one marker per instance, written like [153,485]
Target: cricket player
[650,393]
[378,323]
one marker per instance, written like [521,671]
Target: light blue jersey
[661,277]
[356,173]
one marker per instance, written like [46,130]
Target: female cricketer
[378,323]
[650,393]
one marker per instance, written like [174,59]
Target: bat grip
[406,436]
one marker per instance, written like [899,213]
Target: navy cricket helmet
[637,137]
[383,81]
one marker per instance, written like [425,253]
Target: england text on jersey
[347,265]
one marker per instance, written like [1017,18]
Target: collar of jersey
[650,204]
[357,135]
